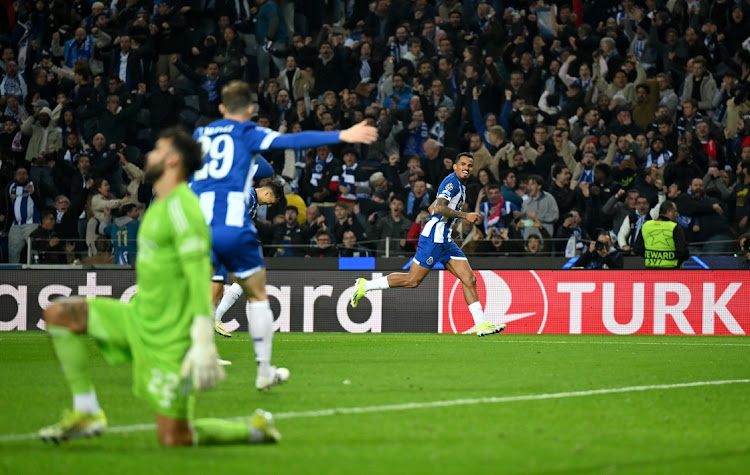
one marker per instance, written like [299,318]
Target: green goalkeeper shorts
[156,370]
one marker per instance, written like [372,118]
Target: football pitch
[416,403]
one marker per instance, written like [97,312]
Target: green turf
[704,429]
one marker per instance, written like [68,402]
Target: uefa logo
[517,298]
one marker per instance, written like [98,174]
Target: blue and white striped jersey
[252,208]
[24,208]
[438,228]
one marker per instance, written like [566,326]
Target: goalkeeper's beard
[153,172]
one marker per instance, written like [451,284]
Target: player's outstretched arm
[359,133]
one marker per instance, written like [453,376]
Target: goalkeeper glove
[201,362]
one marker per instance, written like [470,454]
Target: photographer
[744,258]
[601,254]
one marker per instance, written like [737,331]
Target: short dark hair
[667,206]
[537,178]
[276,189]
[186,146]
[292,208]
[463,154]
[557,168]
[504,174]
[127,208]
[399,198]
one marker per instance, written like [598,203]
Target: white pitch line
[430,405]
[500,340]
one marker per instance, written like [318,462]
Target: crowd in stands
[582,118]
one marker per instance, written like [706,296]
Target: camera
[600,246]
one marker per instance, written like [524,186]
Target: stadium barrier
[681,302]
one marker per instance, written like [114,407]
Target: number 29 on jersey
[218,153]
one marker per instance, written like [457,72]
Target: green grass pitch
[416,403]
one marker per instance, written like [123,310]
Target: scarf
[209,86]
[638,226]
[347,180]
[320,165]
[437,131]
[587,176]
[415,139]
[74,52]
[364,70]
[658,160]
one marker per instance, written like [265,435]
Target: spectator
[101,199]
[739,199]
[210,85]
[345,222]
[13,82]
[667,96]
[709,225]
[419,197]
[46,245]
[78,48]
[21,212]
[44,136]
[114,119]
[569,236]
[700,86]
[14,109]
[327,69]
[229,52]
[539,205]
[323,246]
[349,246]
[126,62]
[105,164]
[534,246]
[491,210]
[271,35]
[632,224]
[314,222]
[66,220]
[287,237]
[318,176]
[164,105]
[508,179]
[562,188]
[394,225]
[295,80]
[123,231]
[167,32]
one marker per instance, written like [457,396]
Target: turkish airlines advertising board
[604,302]
[530,302]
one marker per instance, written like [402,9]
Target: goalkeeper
[167,328]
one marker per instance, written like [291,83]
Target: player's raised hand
[201,362]
[359,133]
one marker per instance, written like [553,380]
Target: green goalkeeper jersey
[173,270]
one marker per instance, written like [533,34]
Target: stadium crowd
[582,117]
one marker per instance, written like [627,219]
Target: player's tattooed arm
[442,208]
